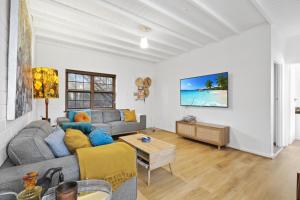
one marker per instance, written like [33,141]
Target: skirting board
[252,152]
[277,152]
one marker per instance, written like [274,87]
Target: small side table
[87,187]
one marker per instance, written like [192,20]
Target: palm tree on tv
[208,84]
[222,82]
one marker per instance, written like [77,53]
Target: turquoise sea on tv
[204,98]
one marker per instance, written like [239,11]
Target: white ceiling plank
[179,19]
[84,36]
[74,23]
[260,8]
[71,41]
[147,22]
[96,15]
[56,24]
[112,26]
[216,16]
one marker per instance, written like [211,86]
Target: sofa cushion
[122,114]
[75,139]
[71,113]
[111,116]
[29,147]
[82,117]
[85,127]
[97,116]
[106,127]
[100,137]
[42,127]
[129,116]
[56,143]
[123,127]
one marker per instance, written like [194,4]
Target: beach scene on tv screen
[210,90]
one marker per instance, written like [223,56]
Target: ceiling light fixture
[144,40]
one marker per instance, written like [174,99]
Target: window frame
[92,91]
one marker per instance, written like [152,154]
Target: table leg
[149,176]
[171,169]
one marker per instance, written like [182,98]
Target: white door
[282,106]
[276,123]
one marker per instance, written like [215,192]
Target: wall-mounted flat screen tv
[206,91]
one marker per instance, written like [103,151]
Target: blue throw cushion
[71,113]
[56,143]
[85,127]
[100,137]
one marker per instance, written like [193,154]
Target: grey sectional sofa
[111,121]
[28,152]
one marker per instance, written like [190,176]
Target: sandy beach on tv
[210,90]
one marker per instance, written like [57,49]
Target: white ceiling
[112,26]
[285,14]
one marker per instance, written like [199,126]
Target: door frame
[278,67]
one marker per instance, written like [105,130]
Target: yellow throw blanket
[114,163]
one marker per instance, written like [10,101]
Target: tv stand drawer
[186,130]
[208,134]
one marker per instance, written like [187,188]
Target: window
[89,90]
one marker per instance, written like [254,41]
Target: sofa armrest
[11,177]
[61,120]
[143,122]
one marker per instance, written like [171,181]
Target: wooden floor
[202,172]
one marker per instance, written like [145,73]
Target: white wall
[7,128]
[63,56]
[293,50]
[296,87]
[247,59]
[278,45]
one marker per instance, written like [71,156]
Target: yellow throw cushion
[82,117]
[75,139]
[129,116]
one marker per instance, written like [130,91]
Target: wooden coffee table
[153,154]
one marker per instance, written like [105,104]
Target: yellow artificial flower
[51,72]
[37,85]
[52,79]
[37,75]
[51,92]
[38,69]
